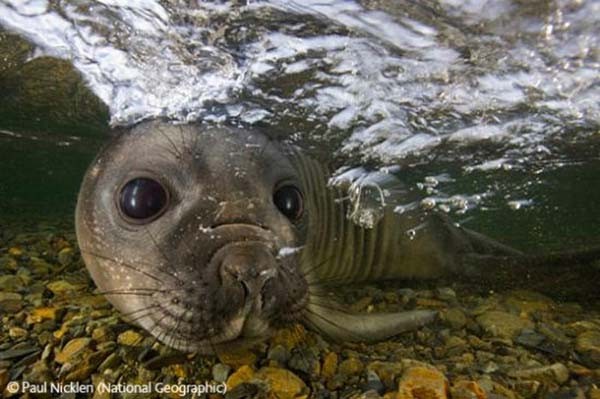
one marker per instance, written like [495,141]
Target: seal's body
[210,236]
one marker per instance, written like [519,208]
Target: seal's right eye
[143,199]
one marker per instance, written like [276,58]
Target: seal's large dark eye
[288,199]
[142,199]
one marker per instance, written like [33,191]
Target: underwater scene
[300,199]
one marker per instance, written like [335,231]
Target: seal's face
[188,232]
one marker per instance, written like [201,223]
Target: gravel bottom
[510,344]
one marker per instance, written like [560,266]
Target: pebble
[72,349]
[557,373]
[502,324]
[523,301]
[374,382]
[220,372]
[530,338]
[283,384]
[588,344]
[11,283]
[62,287]
[240,376]
[15,252]
[4,378]
[18,352]
[279,354]
[17,332]
[289,337]
[464,389]
[65,256]
[330,364]
[237,358]
[388,372]
[423,383]
[130,338]
[351,366]
[10,302]
[40,314]
[454,318]
[305,361]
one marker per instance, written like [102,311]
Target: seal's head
[188,231]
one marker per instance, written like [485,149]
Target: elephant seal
[211,236]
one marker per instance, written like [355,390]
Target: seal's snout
[250,270]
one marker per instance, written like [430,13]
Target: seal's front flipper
[340,324]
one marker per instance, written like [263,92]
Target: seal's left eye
[288,199]
[143,199]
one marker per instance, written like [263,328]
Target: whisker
[121,263]
[160,250]
[178,153]
[305,273]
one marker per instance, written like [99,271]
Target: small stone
[527,389]
[4,378]
[530,338]
[362,304]
[237,358]
[130,338]
[503,324]
[39,373]
[588,345]
[467,390]
[388,372]
[330,363]
[102,334]
[111,362]
[282,383]
[305,361]
[527,302]
[11,283]
[557,373]
[18,351]
[72,349]
[566,393]
[39,266]
[446,294]
[40,314]
[15,251]
[62,287]
[454,317]
[289,337]
[374,382]
[220,372]
[423,383]
[10,302]
[8,263]
[65,256]
[279,354]
[17,332]
[240,376]
[351,366]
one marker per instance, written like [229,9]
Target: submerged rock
[423,383]
[502,324]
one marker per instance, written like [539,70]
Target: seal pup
[211,236]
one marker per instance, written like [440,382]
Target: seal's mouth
[241,289]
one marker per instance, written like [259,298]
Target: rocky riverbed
[513,344]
